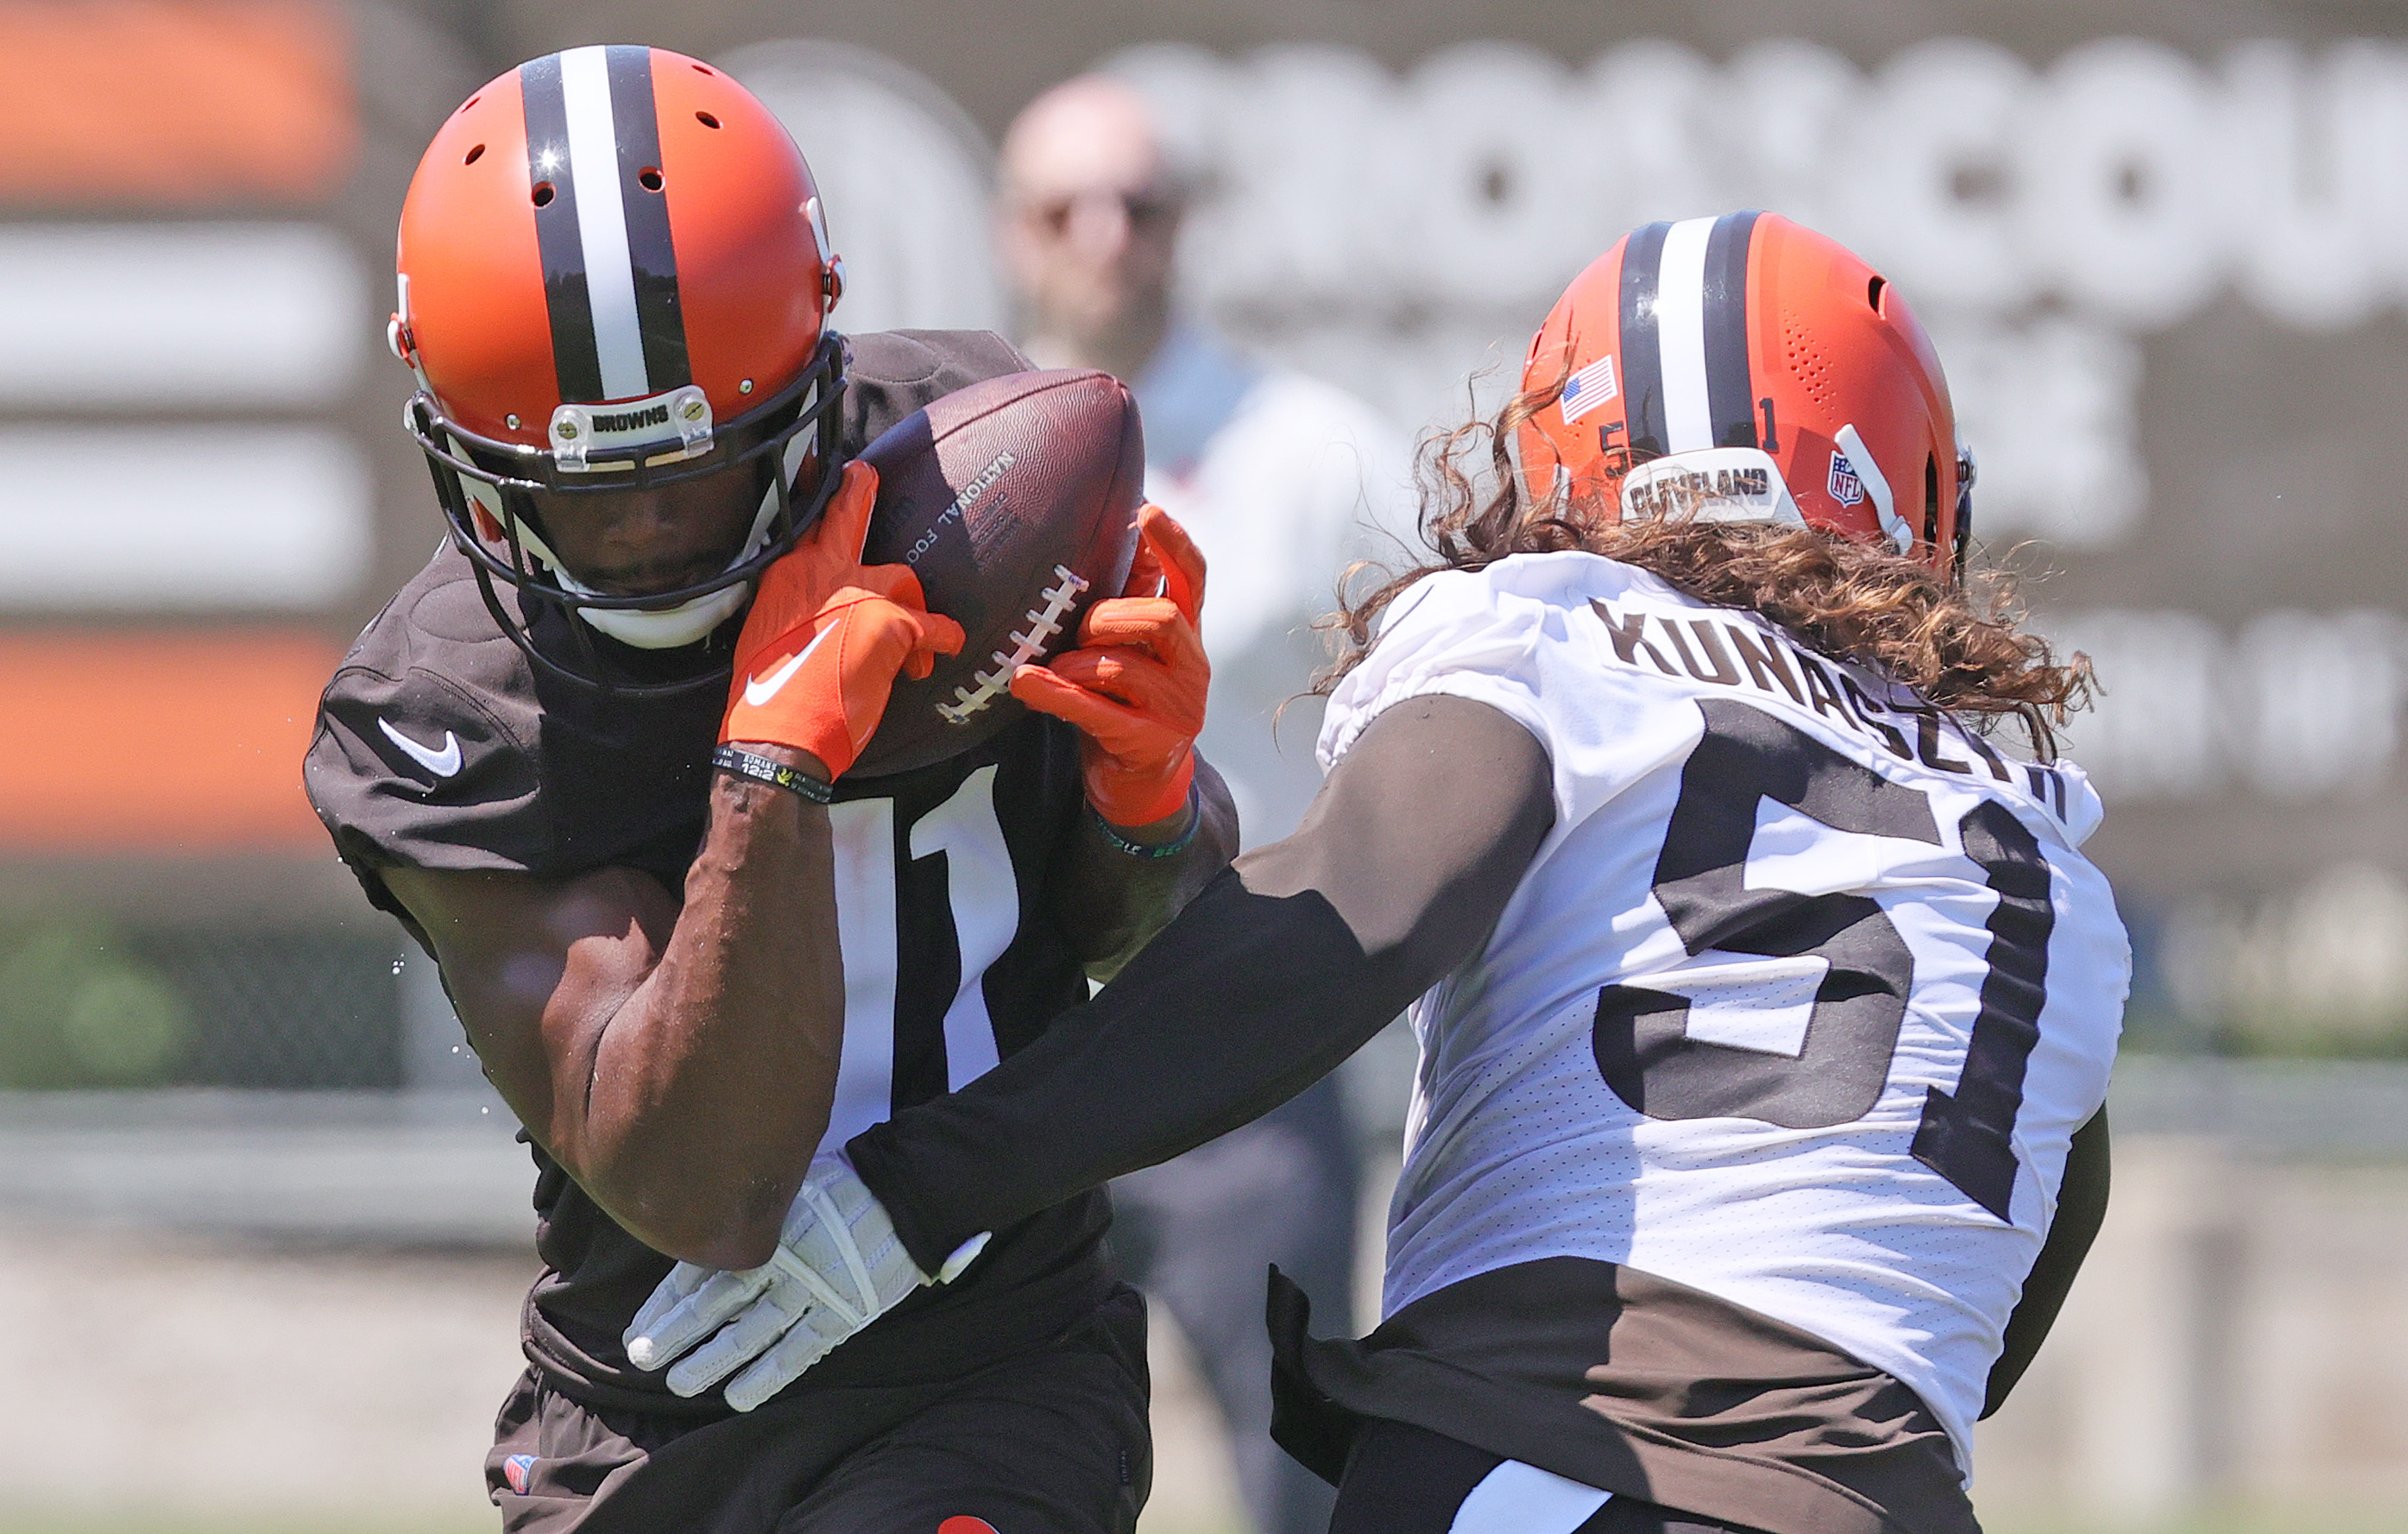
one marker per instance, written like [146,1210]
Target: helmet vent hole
[543,193]
[705,120]
[649,178]
[1807,362]
[704,69]
[1873,294]
[474,155]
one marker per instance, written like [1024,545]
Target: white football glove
[839,1267]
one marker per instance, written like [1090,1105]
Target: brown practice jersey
[439,746]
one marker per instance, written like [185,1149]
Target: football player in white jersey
[1766,1006]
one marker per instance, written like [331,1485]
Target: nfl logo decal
[518,1470]
[1846,488]
[1588,389]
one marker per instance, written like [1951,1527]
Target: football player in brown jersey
[605,785]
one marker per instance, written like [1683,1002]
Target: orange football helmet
[614,271]
[1755,370]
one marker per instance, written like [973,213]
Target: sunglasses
[1146,211]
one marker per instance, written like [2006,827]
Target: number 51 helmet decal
[614,273]
[1752,369]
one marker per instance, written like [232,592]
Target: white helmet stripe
[602,221]
[1681,336]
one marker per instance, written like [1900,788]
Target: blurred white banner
[2294,705]
[161,518]
[1392,232]
[127,319]
[219,316]
[2327,958]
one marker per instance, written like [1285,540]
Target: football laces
[1043,622]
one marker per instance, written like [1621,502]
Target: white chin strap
[1860,458]
[1710,484]
[662,628]
[656,628]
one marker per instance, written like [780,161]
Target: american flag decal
[1589,389]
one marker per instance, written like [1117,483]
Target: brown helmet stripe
[1730,397]
[559,238]
[1643,363]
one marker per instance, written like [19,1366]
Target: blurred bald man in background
[1283,480]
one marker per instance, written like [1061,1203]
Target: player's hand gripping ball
[1135,685]
[829,634]
[1014,500]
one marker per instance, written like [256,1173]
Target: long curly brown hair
[1959,643]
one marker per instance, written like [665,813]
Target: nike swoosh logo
[443,763]
[760,690]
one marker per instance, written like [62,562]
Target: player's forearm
[1241,1002]
[1282,967]
[1114,901]
[709,1090]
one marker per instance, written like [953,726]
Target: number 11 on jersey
[979,906]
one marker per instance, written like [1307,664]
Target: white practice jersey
[1800,1002]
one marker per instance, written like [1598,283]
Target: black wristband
[1146,849]
[761,769]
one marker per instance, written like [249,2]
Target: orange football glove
[1135,685]
[827,636]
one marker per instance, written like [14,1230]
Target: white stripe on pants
[1518,1499]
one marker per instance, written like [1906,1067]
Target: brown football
[1016,502]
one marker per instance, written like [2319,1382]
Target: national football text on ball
[970,492]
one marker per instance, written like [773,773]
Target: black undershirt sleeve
[1282,967]
[2081,1208]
